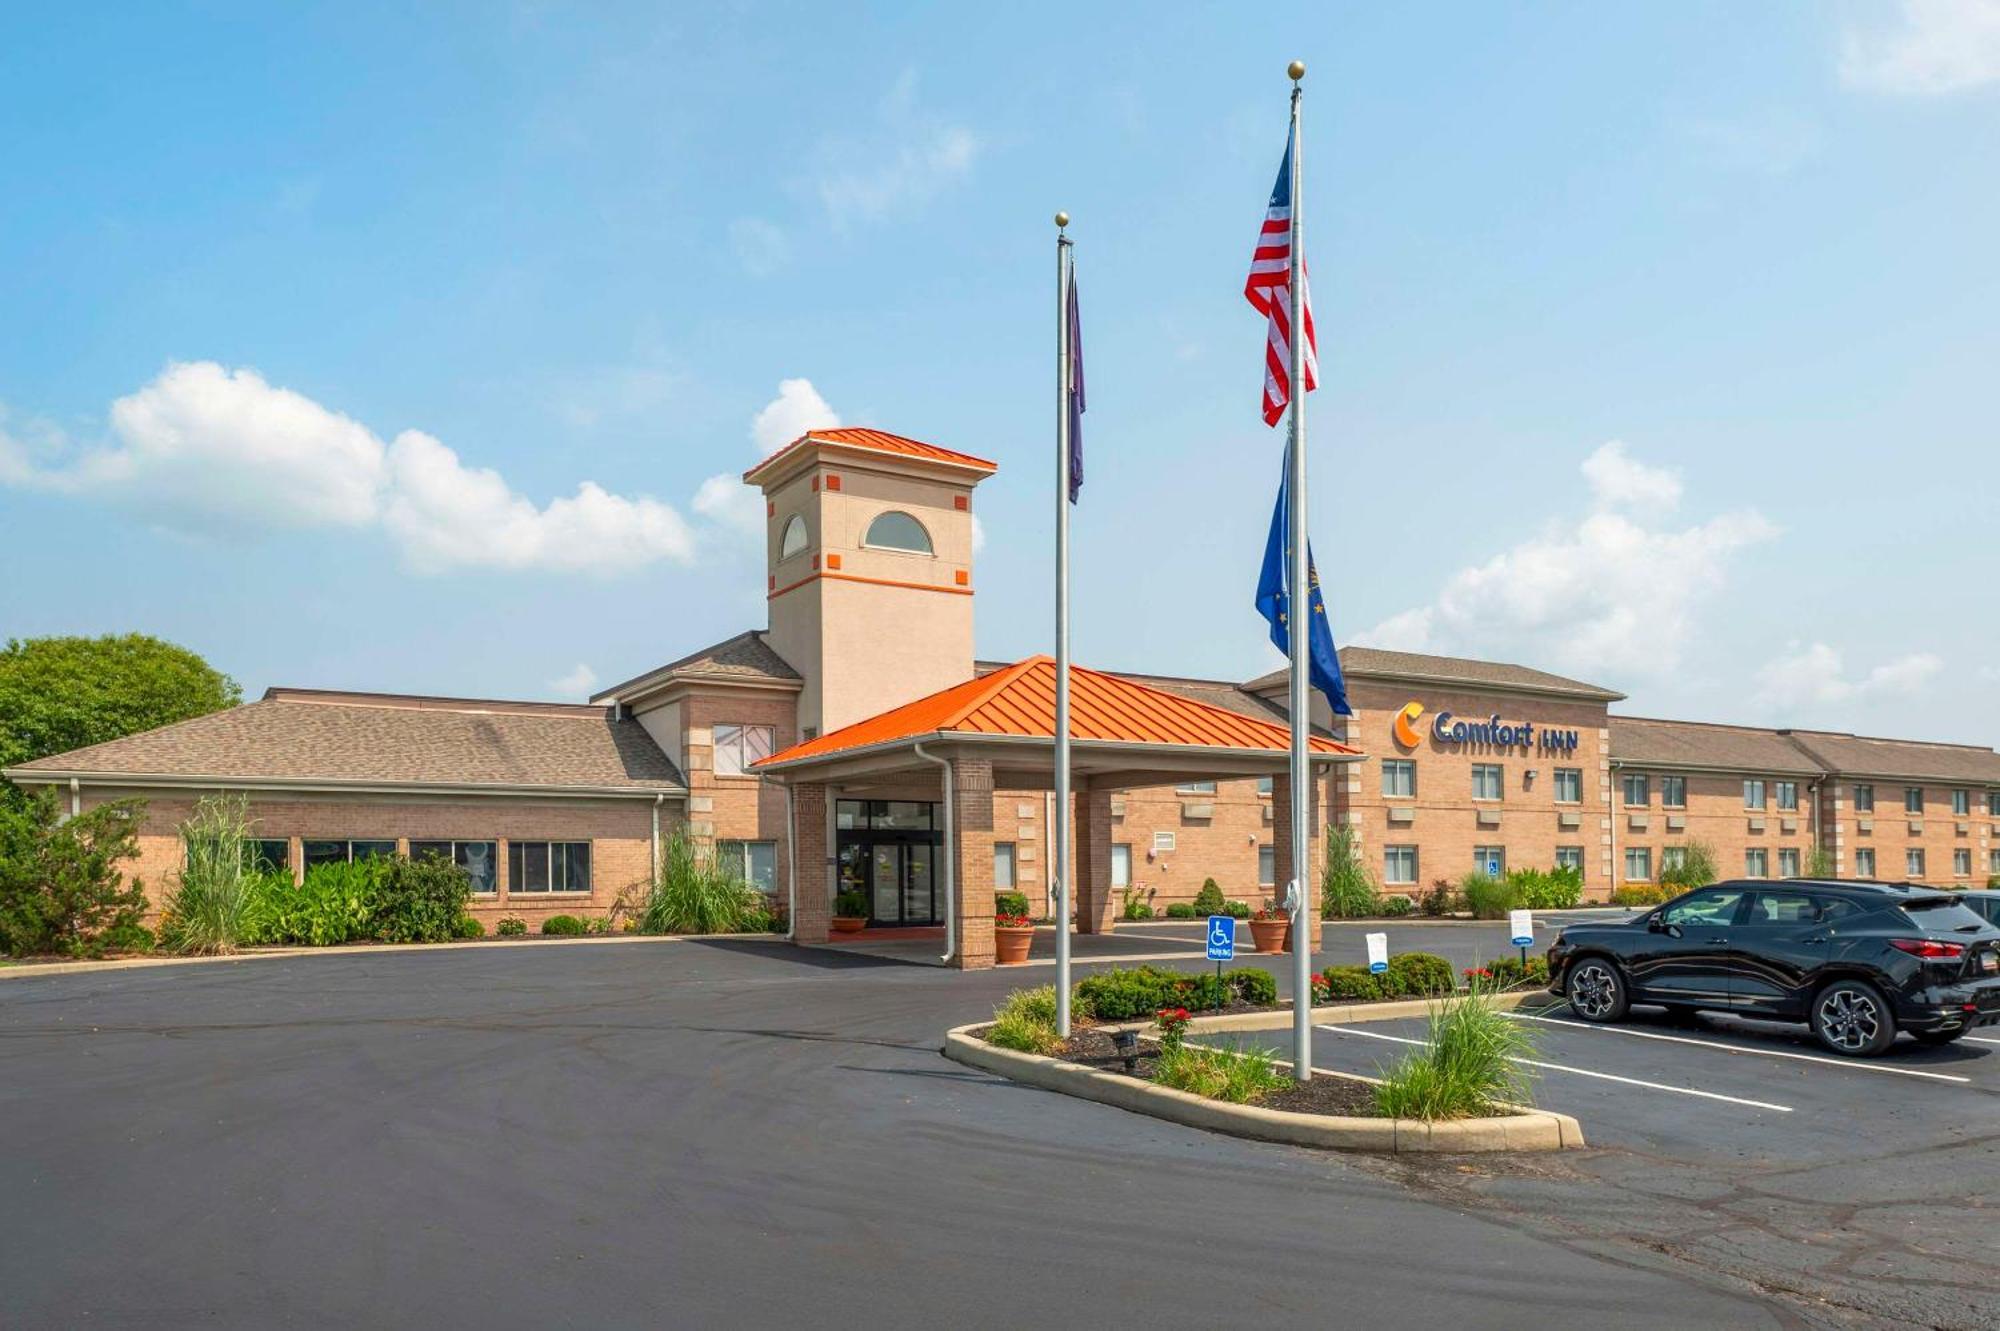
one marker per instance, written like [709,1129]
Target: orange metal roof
[879,441]
[1020,700]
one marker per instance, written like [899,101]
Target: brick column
[1091,865]
[1281,839]
[972,861]
[813,906]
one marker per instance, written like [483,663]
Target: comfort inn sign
[1492,732]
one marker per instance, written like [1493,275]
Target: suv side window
[1717,906]
[1784,908]
[1834,909]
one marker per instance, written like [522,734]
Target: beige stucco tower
[869,569]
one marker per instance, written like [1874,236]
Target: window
[1788,797]
[736,747]
[1638,790]
[1864,864]
[898,531]
[1569,785]
[1569,857]
[1864,799]
[1780,909]
[1638,864]
[548,866]
[1961,802]
[1674,792]
[1993,860]
[1399,864]
[1788,862]
[756,862]
[1673,857]
[1913,864]
[1961,863]
[1489,859]
[1263,785]
[1753,794]
[1488,779]
[888,815]
[1993,804]
[1121,865]
[1267,866]
[340,852]
[794,539]
[1195,788]
[1003,866]
[478,858]
[1399,778]
[1163,841]
[269,855]
[1757,862]
[1913,799]
[1714,907]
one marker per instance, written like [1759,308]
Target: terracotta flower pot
[1011,944]
[849,924]
[1271,935]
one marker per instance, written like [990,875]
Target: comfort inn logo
[1405,725]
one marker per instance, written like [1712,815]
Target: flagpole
[1298,610]
[1062,864]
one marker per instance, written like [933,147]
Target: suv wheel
[1596,990]
[1852,1017]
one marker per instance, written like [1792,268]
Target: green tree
[1696,869]
[1819,863]
[58,694]
[60,888]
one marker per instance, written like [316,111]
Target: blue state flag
[1274,603]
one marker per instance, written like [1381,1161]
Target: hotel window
[1993,860]
[1163,841]
[1913,863]
[1788,863]
[1263,785]
[1489,859]
[1488,780]
[1399,778]
[1993,804]
[1864,864]
[479,859]
[736,747]
[1569,785]
[1757,862]
[1674,792]
[1788,796]
[1864,799]
[1267,866]
[1399,865]
[1121,865]
[898,531]
[794,539]
[267,855]
[1195,788]
[755,862]
[1638,864]
[1673,857]
[1913,799]
[1003,866]
[1961,802]
[1569,857]
[548,866]
[1961,863]
[1753,794]
[340,852]
[1638,790]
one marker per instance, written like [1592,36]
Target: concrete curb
[24,969]
[1527,1130]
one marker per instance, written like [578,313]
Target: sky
[420,348]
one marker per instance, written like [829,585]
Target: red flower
[1004,921]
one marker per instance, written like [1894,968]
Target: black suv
[1857,961]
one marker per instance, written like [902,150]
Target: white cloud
[913,159]
[1815,674]
[978,534]
[203,448]
[577,683]
[726,501]
[1608,591]
[797,408]
[1935,47]
[760,247]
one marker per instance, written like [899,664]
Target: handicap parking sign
[1221,938]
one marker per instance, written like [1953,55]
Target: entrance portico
[939,760]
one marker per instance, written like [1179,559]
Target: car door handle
[1717,942]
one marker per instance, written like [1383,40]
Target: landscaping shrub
[851,905]
[562,926]
[212,905]
[1696,869]
[765,915]
[1135,902]
[1347,885]
[1252,985]
[1560,888]
[1236,910]
[1508,972]
[1236,1075]
[1123,994]
[512,926]
[1010,903]
[1819,864]
[1346,984]
[336,904]
[1208,901]
[1640,894]
[1487,897]
[420,901]
[1180,910]
[60,889]
[1397,906]
[694,894]
[468,927]
[1205,990]
[1441,899]
[1467,1068]
[1026,1021]
[1419,975]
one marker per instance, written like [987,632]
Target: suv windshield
[1944,914]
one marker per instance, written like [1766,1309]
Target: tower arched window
[794,539]
[897,530]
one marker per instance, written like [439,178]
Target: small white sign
[1378,953]
[1522,922]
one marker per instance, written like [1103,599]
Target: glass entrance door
[888,852]
[919,905]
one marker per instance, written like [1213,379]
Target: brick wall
[736,808]
[1891,832]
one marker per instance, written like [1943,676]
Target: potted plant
[1271,928]
[1013,928]
[850,912]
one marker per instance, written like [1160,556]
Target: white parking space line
[1846,1064]
[1978,1039]
[1585,1072]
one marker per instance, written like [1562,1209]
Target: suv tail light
[1928,948]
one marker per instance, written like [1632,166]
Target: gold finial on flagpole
[1062,220]
[1297,69]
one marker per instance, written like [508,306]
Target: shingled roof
[747,658]
[1863,755]
[304,737]
[1638,741]
[1417,668]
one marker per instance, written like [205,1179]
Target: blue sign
[1492,868]
[1221,938]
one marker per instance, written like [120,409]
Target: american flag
[1269,289]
